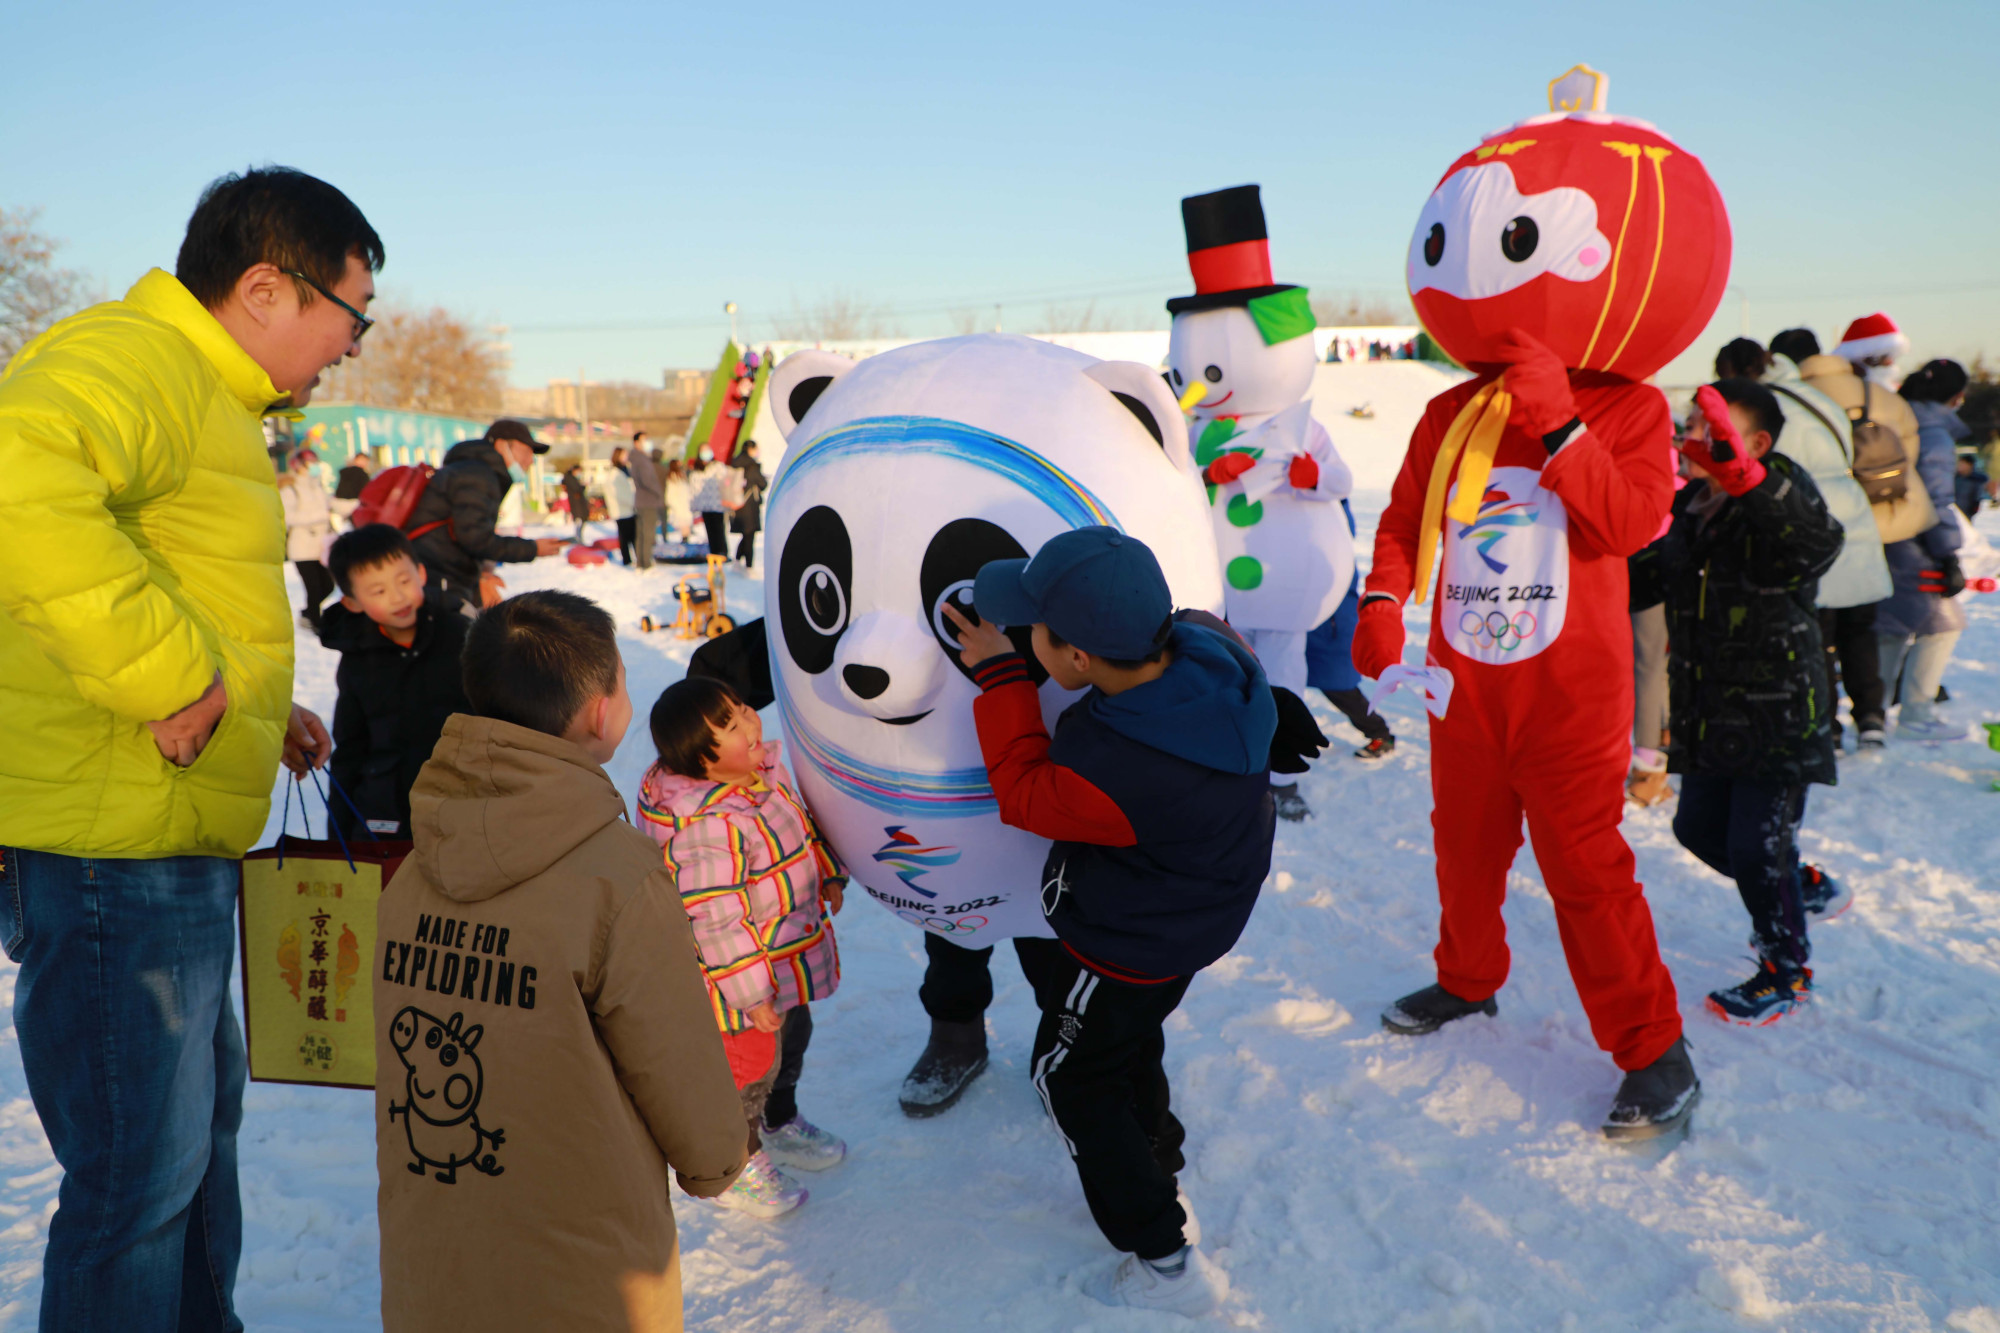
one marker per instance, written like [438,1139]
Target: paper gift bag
[308,934]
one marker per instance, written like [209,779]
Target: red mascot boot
[1563,261]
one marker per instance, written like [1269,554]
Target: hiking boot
[1824,896]
[762,1190]
[1765,998]
[1871,738]
[802,1144]
[1429,1009]
[1186,1283]
[1292,807]
[1655,1100]
[1379,748]
[955,1055]
[1932,729]
[1646,788]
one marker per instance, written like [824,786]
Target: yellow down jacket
[141,551]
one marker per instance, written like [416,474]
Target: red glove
[1304,473]
[1378,637]
[1721,455]
[1228,468]
[1538,382]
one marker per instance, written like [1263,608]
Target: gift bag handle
[305,814]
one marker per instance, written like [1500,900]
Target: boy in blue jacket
[1156,792]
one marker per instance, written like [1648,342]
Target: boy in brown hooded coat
[543,1043]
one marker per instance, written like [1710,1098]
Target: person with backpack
[1882,434]
[1920,623]
[453,520]
[1819,437]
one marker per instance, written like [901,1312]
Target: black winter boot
[1292,807]
[955,1055]
[1655,1100]
[1431,1008]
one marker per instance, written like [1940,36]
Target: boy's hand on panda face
[978,640]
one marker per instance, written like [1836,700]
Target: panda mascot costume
[903,474]
[1240,355]
[1563,260]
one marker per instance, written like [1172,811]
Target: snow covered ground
[1841,1174]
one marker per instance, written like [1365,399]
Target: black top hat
[1228,249]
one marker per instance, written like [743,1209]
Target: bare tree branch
[34,293]
[429,361]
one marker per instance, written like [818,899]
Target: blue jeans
[135,1063]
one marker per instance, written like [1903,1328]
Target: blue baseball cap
[1095,587]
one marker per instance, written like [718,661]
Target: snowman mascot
[1564,261]
[1241,359]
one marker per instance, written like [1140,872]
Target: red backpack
[392,496]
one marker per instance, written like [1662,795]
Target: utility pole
[583,410]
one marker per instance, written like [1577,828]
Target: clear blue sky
[603,177]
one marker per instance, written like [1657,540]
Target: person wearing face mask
[717,491]
[461,508]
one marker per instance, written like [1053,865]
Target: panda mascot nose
[866,681]
[890,667]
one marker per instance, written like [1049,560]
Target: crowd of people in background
[1820,556]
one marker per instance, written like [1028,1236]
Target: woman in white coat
[308,529]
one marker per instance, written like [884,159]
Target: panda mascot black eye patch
[951,562]
[815,588]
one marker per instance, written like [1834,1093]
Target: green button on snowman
[1241,359]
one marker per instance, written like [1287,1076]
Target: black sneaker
[1429,1009]
[1379,748]
[1824,896]
[1765,998]
[1656,1100]
[1292,807]
[955,1055]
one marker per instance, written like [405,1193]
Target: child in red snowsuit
[1530,619]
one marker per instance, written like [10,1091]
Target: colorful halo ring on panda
[956,792]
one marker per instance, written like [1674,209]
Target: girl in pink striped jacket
[753,873]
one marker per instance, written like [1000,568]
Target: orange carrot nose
[1195,393]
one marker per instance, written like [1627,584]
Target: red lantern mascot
[1563,260]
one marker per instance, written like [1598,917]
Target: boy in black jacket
[1751,710]
[1156,792]
[399,676]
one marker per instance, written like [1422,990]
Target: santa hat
[1872,335]
[1229,253]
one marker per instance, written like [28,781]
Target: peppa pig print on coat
[442,1084]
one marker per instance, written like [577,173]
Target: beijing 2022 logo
[1500,514]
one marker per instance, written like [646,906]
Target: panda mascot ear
[798,382]
[1146,396]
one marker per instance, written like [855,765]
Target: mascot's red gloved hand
[1719,451]
[1538,382]
[1227,469]
[1303,473]
[1378,636]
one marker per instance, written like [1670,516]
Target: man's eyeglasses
[361,322]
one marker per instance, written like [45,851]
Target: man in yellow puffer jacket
[145,701]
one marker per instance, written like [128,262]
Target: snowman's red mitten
[1722,454]
[1543,403]
[1227,468]
[1378,636]
[1303,473]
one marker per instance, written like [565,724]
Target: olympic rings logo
[944,925]
[1495,630]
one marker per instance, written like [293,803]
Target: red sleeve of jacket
[1044,798]
[1394,570]
[1613,476]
